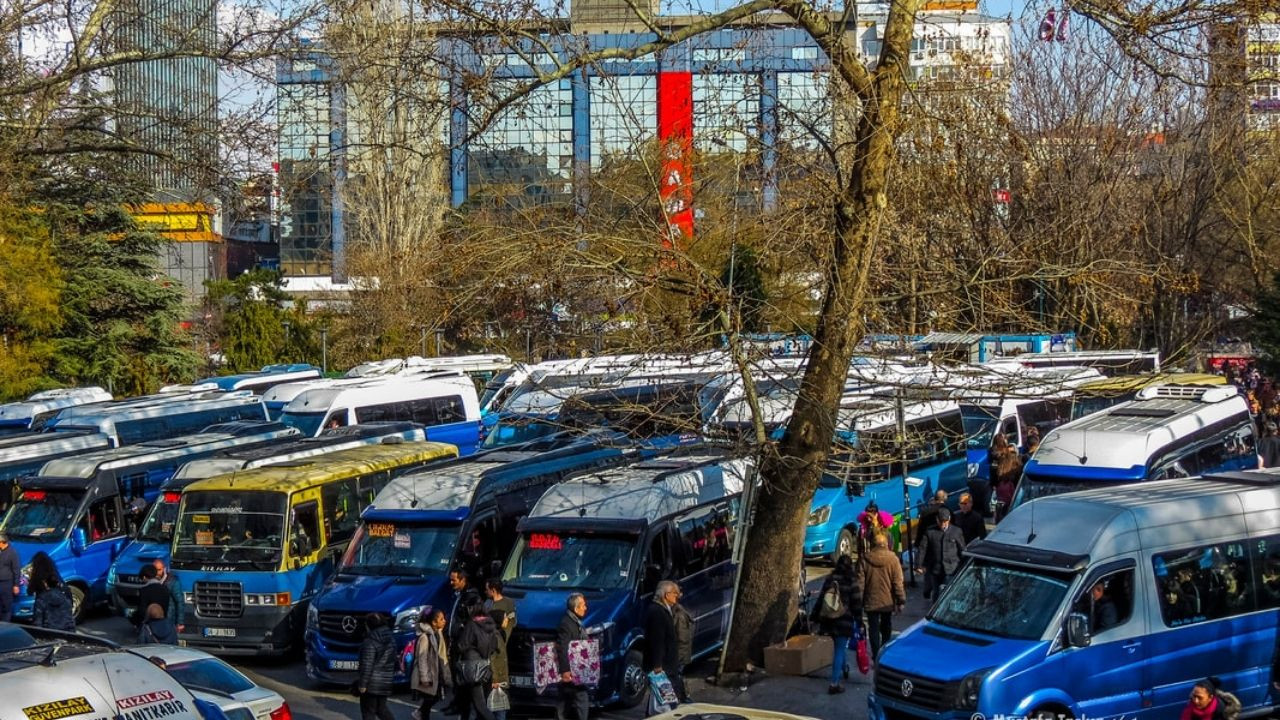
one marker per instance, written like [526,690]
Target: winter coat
[153,592]
[942,549]
[479,639]
[10,568]
[850,591]
[971,525]
[176,609]
[157,632]
[881,580]
[53,609]
[505,609]
[430,674]
[684,635]
[660,647]
[1224,706]
[570,629]
[377,667]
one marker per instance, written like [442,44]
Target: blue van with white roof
[1111,602]
[421,525]
[155,532]
[31,414]
[613,535]
[76,509]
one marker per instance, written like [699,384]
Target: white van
[447,406]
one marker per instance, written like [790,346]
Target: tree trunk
[768,595]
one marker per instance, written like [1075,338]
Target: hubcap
[634,679]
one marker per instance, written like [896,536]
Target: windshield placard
[382,530]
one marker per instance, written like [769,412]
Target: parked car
[209,678]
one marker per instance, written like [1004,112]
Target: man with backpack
[838,610]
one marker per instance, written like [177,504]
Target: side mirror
[1078,630]
[78,541]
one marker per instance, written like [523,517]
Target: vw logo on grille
[348,624]
[907,688]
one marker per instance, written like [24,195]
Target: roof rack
[1256,478]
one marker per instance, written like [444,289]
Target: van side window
[694,530]
[1107,601]
[1204,583]
[1266,564]
[304,537]
[421,411]
[103,520]
[341,510]
[449,409]
[657,563]
[379,413]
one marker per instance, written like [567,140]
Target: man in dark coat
[970,521]
[10,577]
[662,650]
[153,592]
[377,669]
[943,546]
[574,703]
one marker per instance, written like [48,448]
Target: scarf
[1191,712]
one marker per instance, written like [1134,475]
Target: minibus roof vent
[1144,412]
[1203,393]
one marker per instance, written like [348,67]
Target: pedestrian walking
[943,545]
[53,607]
[376,669]
[10,577]
[1006,468]
[503,611]
[1209,702]
[430,674]
[970,521]
[175,608]
[839,608]
[929,514]
[661,649]
[156,629]
[152,592]
[883,593]
[574,703]
[477,644]
[684,646]
[1269,446]
[871,521]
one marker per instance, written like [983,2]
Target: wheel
[634,680]
[77,602]
[844,546]
[1048,714]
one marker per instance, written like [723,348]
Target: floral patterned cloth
[584,663]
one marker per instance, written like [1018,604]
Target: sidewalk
[798,695]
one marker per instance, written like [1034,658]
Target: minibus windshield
[979,425]
[1035,485]
[394,548]
[564,560]
[42,515]
[999,600]
[158,526]
[231,527]
[308,423]
[518,430]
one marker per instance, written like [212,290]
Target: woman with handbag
[377,669]
[477,643]
[430,674]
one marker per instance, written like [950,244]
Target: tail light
[282,712]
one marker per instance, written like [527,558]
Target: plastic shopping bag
[662,694]
[858,643]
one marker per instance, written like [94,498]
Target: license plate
[219,632]
[524,681]
[344,665]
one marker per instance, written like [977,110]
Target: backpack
[832,604]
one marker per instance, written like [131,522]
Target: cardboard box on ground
[799,655]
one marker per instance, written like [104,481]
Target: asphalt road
[308,701]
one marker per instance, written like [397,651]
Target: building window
[804,109]
[522,147]
[624,116]
[726,110]
[804,53]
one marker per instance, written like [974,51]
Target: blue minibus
[613,536]
[76,510]
[425,523]
[1103,603]
[31,414]
[155,533]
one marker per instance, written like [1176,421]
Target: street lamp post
[324,350]
[287,326]
[439,342]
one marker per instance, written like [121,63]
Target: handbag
[499,700]
[545,671]
[584,662]
[858,641]
[475,672]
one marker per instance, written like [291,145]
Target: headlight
[189,598]
[820,516]
[408,618]
[26,571]
[967,696]
[973,469]
[313,616]
[280,599]
[602,632]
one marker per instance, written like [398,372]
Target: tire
[78,604]
[845,545]
[634,682]
[1048,713]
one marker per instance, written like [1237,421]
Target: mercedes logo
[907,688]
[349,626]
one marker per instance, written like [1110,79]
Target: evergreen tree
[743,276]
[252,331]
[121,314]
[30,292]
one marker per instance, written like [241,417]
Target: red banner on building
[675,136]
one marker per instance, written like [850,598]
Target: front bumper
[258,631]
[333,662]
